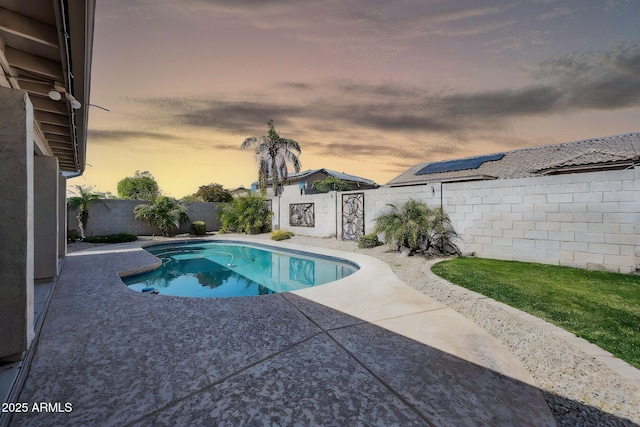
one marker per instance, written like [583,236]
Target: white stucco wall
[324,209]
[588,220]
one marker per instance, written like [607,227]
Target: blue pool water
[218,270]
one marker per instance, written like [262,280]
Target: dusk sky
[366,87]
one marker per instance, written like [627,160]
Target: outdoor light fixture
[56,92]
[75,104]
[55,95]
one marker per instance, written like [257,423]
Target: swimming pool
[232,269]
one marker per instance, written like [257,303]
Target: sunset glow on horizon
[370,88]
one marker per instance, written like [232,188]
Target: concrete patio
[366,350]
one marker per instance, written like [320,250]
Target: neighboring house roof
[339,175]
[299,176]
[611,152]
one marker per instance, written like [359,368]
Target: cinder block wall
[117,216]
[585,220]
[589,220]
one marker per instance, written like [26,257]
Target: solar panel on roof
[458,165]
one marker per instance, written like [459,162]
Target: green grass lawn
[601,307]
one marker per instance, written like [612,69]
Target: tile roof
[340,175]
[611,151]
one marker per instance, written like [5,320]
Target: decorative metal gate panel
[352,216]
[302,215]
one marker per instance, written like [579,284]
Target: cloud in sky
[604,80]
[118,135]
[370,85]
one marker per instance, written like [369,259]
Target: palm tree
[83,202]
[272,154]
[165,213]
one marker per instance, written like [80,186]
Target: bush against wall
[369,241]
[416,226]
[112,238]
[198,228]
[248,214]
[281,235]
[166,213]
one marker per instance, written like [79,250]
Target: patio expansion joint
[351,355]
[413,313]
[223,379]
[385,384]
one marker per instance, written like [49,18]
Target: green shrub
[369,241]
[198,228]
[416,226]
[112,238]
[331,183]
[72,235]
[166,213]
[246,214]
[281,235]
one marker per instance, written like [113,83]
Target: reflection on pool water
[217,270]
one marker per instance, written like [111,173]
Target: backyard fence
[589,220]
[117,216]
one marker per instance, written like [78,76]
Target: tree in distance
[211,193]
[331,183]
[141,186]
[272,155]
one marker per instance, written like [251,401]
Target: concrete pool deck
[366,350]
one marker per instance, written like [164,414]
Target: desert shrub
[246,214]
[112,238]
[281,235]
[198,228]
[416,226]
[369,241]
[166,213]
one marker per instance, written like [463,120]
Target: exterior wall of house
[588,220]
[46,219]
[62,216]
[117,216]
[318,176]
[16,231]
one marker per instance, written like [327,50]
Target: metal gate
[352,216]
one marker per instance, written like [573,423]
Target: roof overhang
[47,45]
